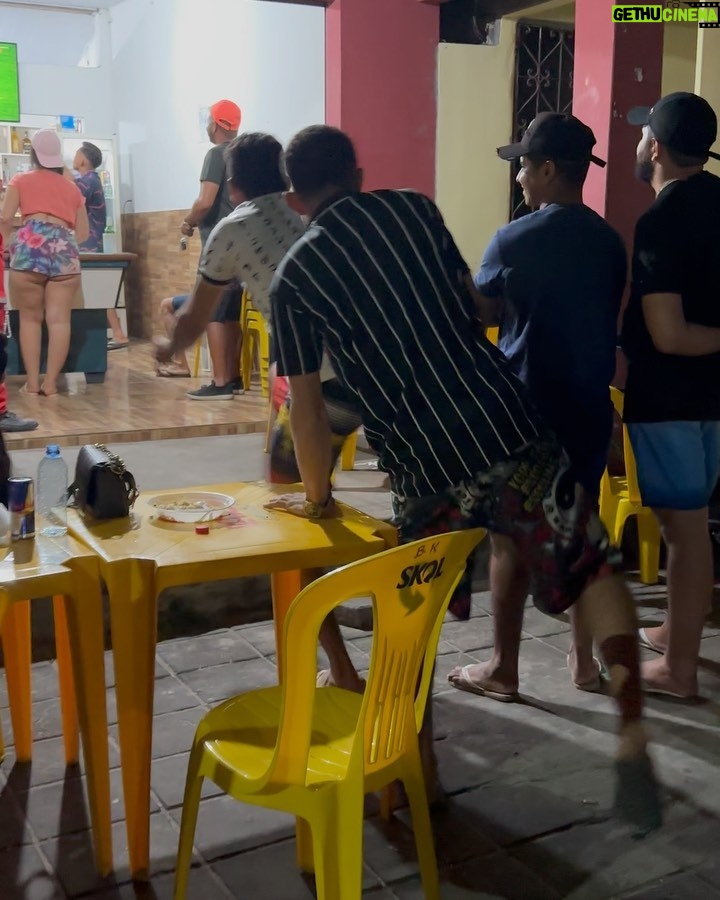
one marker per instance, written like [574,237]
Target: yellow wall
[475,99]
[707,79]
[680,43]
[475,111]
[549,12]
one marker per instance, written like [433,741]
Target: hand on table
[295,505]
[163,349]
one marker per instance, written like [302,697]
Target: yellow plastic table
[142,555]
[46,567]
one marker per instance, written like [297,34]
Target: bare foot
[48,389]
[585,669]
[31,389]
[487,677]
[656,677]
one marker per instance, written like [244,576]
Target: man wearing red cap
[211,205]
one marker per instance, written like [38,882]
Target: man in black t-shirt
[378,283]
[671,335]
[213,204]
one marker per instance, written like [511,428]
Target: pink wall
[616,67]
[381,87]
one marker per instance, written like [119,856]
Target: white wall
[170,58]
[64,65]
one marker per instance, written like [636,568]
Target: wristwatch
[315,510]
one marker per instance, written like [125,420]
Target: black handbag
[102,487]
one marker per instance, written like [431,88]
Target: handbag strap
[117,467]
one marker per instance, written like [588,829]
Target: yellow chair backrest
[618,400]
[410,587]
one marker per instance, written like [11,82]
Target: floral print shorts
[46,248]
[534,499]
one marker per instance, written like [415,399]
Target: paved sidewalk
[530,786]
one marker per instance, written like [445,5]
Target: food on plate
[173,505]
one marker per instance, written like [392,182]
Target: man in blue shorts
[554,281]
[671,335]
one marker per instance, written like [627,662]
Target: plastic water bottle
[52,483]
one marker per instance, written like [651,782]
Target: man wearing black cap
[554,281]
[671,335]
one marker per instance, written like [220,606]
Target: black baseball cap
[554,135]
[682,121]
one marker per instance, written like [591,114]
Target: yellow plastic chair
[620,498]
[255,333]
[315,752]
[347,457]
[199,344]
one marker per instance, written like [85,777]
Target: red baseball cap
[226,114]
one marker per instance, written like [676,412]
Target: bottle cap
[202,529]
[53,450]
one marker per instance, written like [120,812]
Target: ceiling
[63,4]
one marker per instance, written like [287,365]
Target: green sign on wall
[9,90]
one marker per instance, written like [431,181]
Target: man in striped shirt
[377,282]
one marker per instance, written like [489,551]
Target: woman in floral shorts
[44,257]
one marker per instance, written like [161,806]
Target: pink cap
[48,149]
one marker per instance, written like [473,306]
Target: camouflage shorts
[533,499]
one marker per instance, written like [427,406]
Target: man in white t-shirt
[247,246]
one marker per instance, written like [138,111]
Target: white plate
[213,506]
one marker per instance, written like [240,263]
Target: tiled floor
[530,783]
[132,405]
[530,787]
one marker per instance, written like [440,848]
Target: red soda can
[21,500]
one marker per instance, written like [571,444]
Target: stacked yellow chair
[315,752]
[620,499]
[254,334]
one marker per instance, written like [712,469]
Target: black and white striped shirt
[378,281]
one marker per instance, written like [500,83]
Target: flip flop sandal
[661,692]
[463,682]
[637,795]
[594,686]
[645,641]
[168,372]
[324,679]
[118,345]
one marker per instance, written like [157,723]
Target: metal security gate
[544,60]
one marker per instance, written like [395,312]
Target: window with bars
[544,60]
